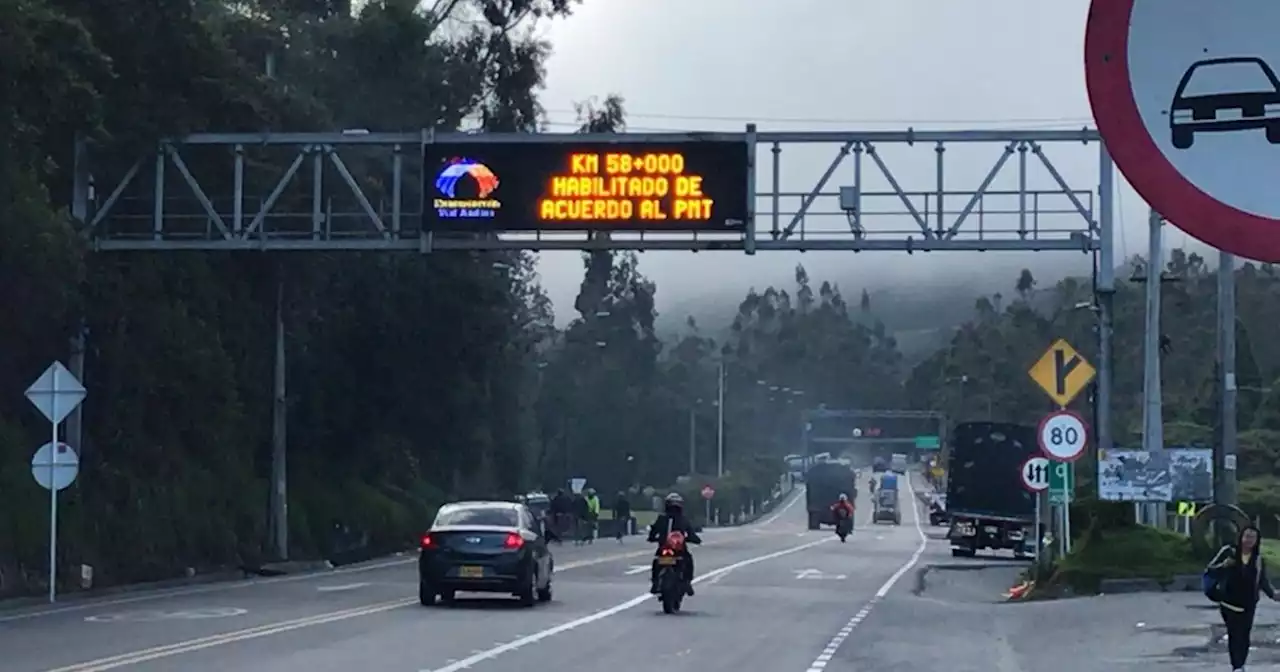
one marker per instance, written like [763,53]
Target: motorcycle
[844,525]
[671,583]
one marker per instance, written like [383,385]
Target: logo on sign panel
[478,203]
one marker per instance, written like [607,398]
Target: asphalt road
[771,596]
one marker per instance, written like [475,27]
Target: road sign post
[1062,372]
[55,394]
[1063,436]
[1035,474]
[1167,84]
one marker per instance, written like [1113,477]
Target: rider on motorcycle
[671,520]
[872,484]
[842,503]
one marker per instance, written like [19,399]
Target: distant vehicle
[888,481]
[490,547]
[796,465]
[879,465]
[824,483]
[1225,94]
[986,505]
[898,463]
[886,507]
[539,505]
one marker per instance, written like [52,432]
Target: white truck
[898,463]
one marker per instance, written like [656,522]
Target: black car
[490,547]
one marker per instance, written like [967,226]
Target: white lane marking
[267,581]
[819,664]
[606,613]
[188,646]
[799,494]
[345,586]
[636,569]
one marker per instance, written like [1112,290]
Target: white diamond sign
[56,392]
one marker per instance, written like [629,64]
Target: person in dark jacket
[671,520]
[581,513]
[1241,577]
[561,507]
[622,515]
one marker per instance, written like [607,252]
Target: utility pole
[1152,410]
[1225,462]
[720,423]
[1104,289]
[279,522]
[693,440]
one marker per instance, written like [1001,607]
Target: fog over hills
[920,311]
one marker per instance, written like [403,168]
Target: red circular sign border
[1022,469]
[1106,49]
[1088,435]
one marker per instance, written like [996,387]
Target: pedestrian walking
[622,515]
[1237,576]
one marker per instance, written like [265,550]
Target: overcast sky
[846,65]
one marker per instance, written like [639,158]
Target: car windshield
[499,516]
[1218,78]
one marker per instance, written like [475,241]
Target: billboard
[1171,475]
[566,186]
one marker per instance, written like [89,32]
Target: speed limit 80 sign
[1063,436]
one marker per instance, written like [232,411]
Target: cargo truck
[987,506]
[824,483]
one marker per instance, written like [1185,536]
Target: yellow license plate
[471,572]
[666,560]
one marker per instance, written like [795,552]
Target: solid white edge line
[606,613]
[819,664]
[798,494]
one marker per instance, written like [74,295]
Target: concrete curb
[922,573]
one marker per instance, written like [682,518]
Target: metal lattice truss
[901,190]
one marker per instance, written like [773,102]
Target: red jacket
[843,505]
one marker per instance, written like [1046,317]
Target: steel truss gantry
[362,191]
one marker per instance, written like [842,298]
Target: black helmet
[674,500]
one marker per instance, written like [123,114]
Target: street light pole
[720,423]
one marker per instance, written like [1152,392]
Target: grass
[1271,553]
[1129,552]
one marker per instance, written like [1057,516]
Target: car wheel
[1184,138]
[544,593]
[529,590]
[426,595]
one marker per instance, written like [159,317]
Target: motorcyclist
[842,504]
[671,520]
[872,484]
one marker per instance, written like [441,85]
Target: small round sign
[1184,93]
[1063,436]
[55,468]
[708,492]
[1034,473]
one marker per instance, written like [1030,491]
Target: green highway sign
[928,443]
[1062,482]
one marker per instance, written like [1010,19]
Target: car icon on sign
[1225,94]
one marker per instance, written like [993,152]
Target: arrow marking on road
[817,574]
[346,586]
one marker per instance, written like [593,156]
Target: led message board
[528,186]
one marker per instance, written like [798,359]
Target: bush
[1128,551]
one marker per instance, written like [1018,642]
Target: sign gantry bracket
[362,191]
